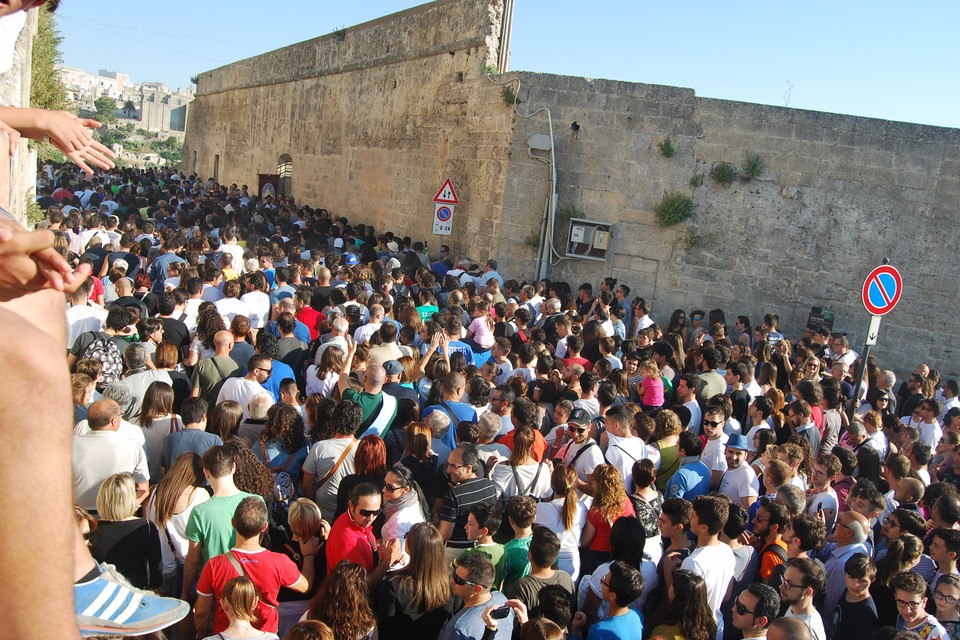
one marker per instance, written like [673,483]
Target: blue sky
[896,61]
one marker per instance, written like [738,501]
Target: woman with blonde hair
[565,515]
[305,523]
[240,603]
[157,421]
[322,376]
[344,604]
[415,602]
[418,455]
[129,543]
[169,508]
[610,502]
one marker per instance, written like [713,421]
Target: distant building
[159,109]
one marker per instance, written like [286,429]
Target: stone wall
[374,118]
[15,91]
[839,195]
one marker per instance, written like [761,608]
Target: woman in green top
[667,432]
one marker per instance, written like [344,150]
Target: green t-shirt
[367,401]
[426,311]
[494,551]
[516,561]
[210,525]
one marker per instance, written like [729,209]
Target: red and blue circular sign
[444,214]
[882,289]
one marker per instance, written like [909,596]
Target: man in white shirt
[930,430]
[739,482]
[687,394]
[244,389]
[802,580]
[363,333]
[821,494]
[712,560]
[622,448]
[580,450]
[715,416]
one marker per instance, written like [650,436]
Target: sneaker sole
[90,626]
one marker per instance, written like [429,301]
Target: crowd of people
[307,427]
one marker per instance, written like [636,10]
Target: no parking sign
[442,219]
[882,290]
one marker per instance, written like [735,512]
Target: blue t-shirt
[462,412]
[468,624]
[692,479]
[629,626]
[279,373]
[186,440]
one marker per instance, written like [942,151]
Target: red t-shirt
[98,290]
[539,444]
[601,541]
[349,541]
[310,316]
[267,570]
[586,364]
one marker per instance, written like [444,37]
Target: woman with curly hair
[343,603]
[689,616]
[610,502]
[415,602]
[322,376]
[251,475]
[209,322]
[282,445]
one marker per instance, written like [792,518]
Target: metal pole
[861,374]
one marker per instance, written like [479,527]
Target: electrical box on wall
[589,239]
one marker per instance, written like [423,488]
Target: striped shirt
[457,503]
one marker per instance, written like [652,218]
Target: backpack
[106,351]
[284,491]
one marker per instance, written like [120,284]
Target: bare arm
[201,615]
[191,563]
[446,530]
[306,484]
[589,531]
[344,383]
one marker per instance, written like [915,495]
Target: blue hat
[737,441]
[351,259]
[393,367]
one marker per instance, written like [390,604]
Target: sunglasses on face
[742,610]
[370,513]
[712,423]
[462,581]
[391,488]
[577,429]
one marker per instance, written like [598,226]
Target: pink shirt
[482,334]
[652,391]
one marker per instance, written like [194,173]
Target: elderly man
[138,378]
[850,536]
[102,453]
[379,408]
[464,467]
[339,329]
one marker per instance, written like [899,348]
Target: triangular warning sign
[446,194]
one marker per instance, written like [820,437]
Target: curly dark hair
[284,425]
[251,475]
[209,321]
[343,603]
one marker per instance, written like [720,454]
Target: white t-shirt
[813,622]
[591,406]
[503,478]
[715,565]
[740,483]
[696,416]
[586,462]
[712,454]
[828,499]
[930,433]
[550,515]
[259,305]
[622,453]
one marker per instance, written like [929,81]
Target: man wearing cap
[580,450]
[739,481]
[391,384]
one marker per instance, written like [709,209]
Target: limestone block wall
[839,194]
[374,118]
[15,91]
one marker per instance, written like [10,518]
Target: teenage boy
[544,550]
[803,579]
[944,548]
[482,523]
[674,525]
[712,560]
[821,495]
[910,594]
[735,376]
[521,511]
[499,351]
[621,586]
[856,616]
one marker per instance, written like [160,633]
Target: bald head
[124,287]
[223,343]
[373,378]
[287,304]
[104,415]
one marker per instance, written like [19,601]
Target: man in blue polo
[692,479]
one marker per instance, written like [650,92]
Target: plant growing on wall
[509,96]
[490,70]
[666,148]
[532,241]
[723,173]
[673,208]
[340,34]
[753,166]
[696,180]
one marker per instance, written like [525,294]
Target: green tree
[106,109]
[46,87]
[129,107]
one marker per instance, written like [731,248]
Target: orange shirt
[539,444]
[770,560]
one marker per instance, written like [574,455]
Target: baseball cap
[393,368]
[578,416]
[392,264]
[350,259]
